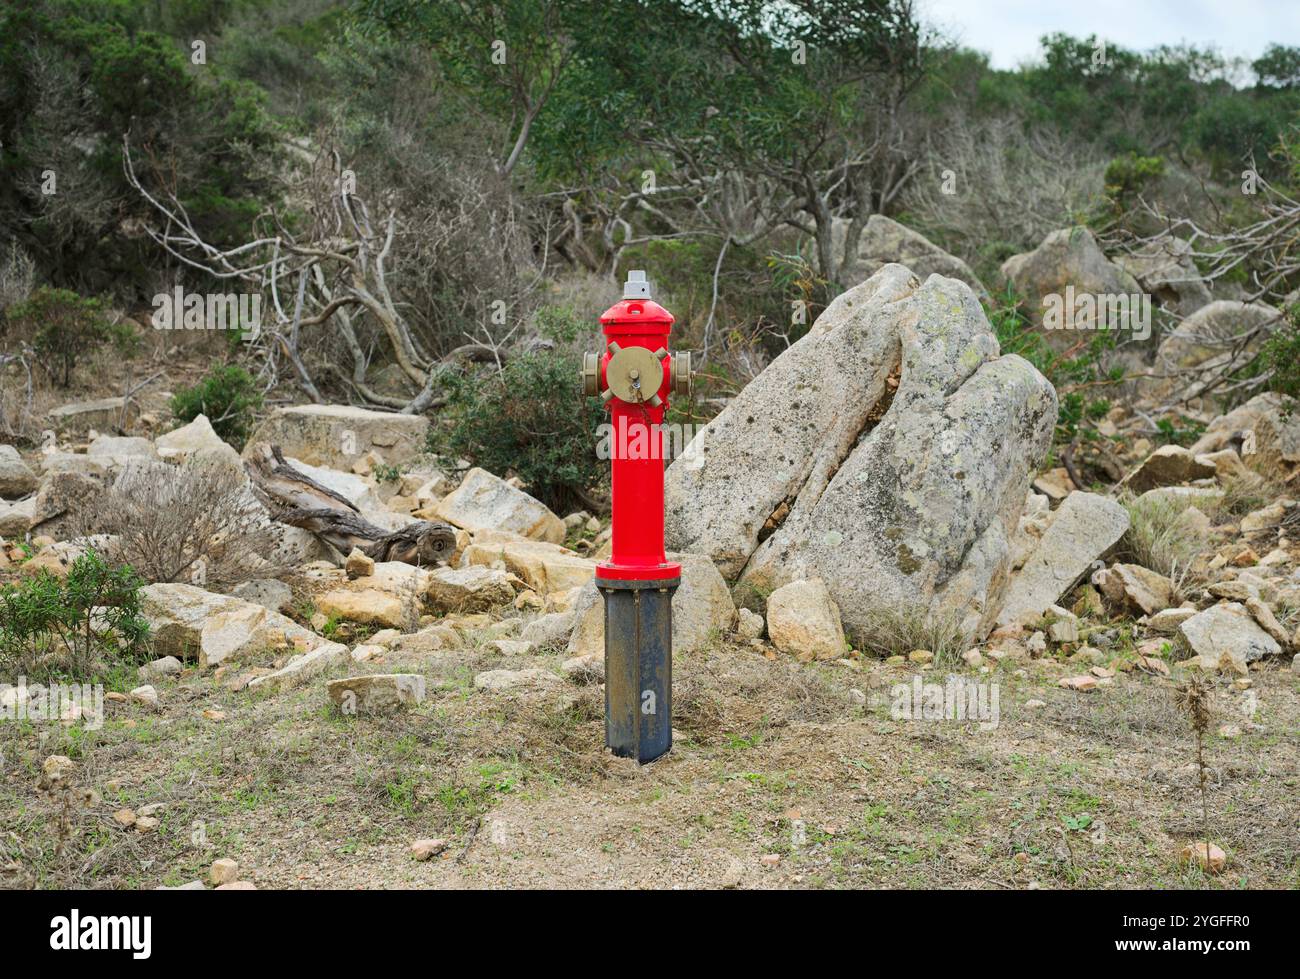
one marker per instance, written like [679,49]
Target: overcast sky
[1009,30]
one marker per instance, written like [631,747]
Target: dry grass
[194,523]
[898,632]
[769,757]
[1161,539]
[1246,491]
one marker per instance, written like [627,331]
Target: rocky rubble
[888,453]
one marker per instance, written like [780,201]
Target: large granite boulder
[885,241]
[1070,263]
[1164,269]
[338,436]
[900,504]
[1265,431]
[1214,341]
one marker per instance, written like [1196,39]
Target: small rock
[238,885]
[1169,620]
[125,818]
[1168,466]
[921,657]
[1227,636]
[369,606]
[1267,518]
[146,824]
[529,600]
[376,692]
[804,621]
[424,849]
[857,698]
[550,629]
[145,695]
[359,565]
[1210,858]
[498,681]
[366,652]
[1133,588]
[1246,558]
[1081,683]
[770,859]
[166,666]
[56,768]
[1035,704]
[749,625]
[1063,630]
[1267,620]
[511,647]
[588,667]
[223,871]
[972,658]
[1036,644]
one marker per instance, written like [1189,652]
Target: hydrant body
[635,376]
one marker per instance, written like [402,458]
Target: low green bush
[530,418]
[228,396]
[63,328]
[75,627]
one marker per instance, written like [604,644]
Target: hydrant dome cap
[637,312]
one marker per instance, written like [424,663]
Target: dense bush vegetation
[61,327]
[741,168]
[228,395]
[76,627]
[530,419]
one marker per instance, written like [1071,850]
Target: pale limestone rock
[804,621]
[1131,587]
[376,692]
[471,589]
[368,606]
[485,502]
[500,681]
[16,479]
[338,436]
[198,436]
[1085,527]
[1168,465]
[1227,637]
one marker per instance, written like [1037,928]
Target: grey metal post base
[638,667]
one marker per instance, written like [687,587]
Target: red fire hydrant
[634,378]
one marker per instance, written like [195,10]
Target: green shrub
[1079,380]
[74,627]
[531,418]
[1126,176]
[1279,357]
[228,396]
[63,327]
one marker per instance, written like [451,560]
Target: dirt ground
[779,777]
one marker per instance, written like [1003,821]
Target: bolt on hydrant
[634,378]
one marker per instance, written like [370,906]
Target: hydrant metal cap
[636,286]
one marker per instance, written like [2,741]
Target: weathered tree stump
[293,498]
